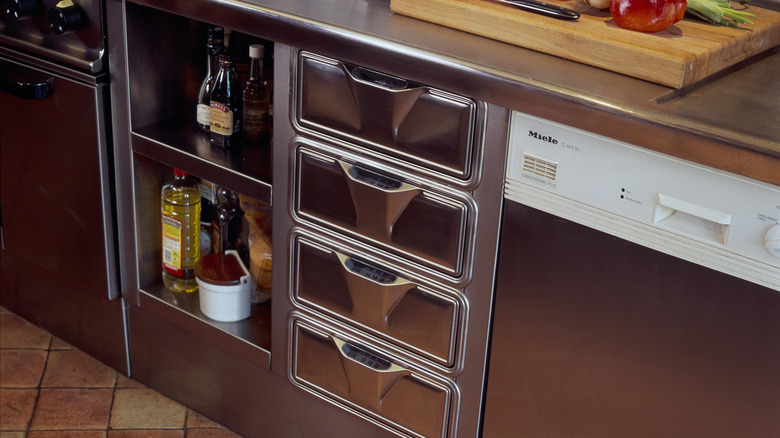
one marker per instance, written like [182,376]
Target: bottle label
[208,191]
[221,119]
[204,114]
[255,121]
[171,245]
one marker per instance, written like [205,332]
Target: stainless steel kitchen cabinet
[387,279]
[382,248]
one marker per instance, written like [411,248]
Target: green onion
[719,12]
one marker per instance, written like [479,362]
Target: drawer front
[377,208]
[425,126]
[366,379]
[354,288]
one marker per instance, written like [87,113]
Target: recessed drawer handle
[370,376]
[378,200]
[379,79]
[375,180]
[374,292]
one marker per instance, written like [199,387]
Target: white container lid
[256,51]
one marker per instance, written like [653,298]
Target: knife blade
[543,8]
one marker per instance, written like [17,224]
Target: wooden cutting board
[687,52]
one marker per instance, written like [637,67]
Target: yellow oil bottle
[180,232]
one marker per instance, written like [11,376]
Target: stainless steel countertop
[730,121]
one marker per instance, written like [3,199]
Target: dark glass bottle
[240,53]
[227,48]
[226,105]
[214,46]
[208,211]
[227,223]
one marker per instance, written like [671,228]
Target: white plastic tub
[224,285]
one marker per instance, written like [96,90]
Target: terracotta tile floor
[48,389]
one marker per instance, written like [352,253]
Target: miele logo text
[541,137]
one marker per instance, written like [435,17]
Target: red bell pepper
[647,15]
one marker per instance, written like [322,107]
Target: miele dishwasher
[638,295]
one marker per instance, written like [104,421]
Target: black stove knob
[65,16]
[17,9]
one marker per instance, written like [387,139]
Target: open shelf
[249,338]
[164,80]
[176,142]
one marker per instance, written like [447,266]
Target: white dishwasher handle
[691,219]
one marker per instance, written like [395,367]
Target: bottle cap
[179,172]
[216,32]
[256,51]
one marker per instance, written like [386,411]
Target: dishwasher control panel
[707,215]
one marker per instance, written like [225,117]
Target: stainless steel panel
[58,258]
[232,389]
[369,380]
[163,79]
[594,336]
[378,207]
[426,126]
[356,288]
[249,339]
[81,48]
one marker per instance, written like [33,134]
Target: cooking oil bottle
[180,200]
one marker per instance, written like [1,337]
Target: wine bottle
[214,46]
[226,106]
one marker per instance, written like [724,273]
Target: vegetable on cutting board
[719,11]
[647,15]
[657,15]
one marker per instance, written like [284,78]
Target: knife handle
[547,9]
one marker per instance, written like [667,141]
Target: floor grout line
[38,388]
[111,405]
[52,366]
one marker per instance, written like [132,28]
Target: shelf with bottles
[176,143]
[249,337]
[165,78]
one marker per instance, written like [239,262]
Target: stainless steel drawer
[425,126]
[354,287]
[381,209]
[367,380]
